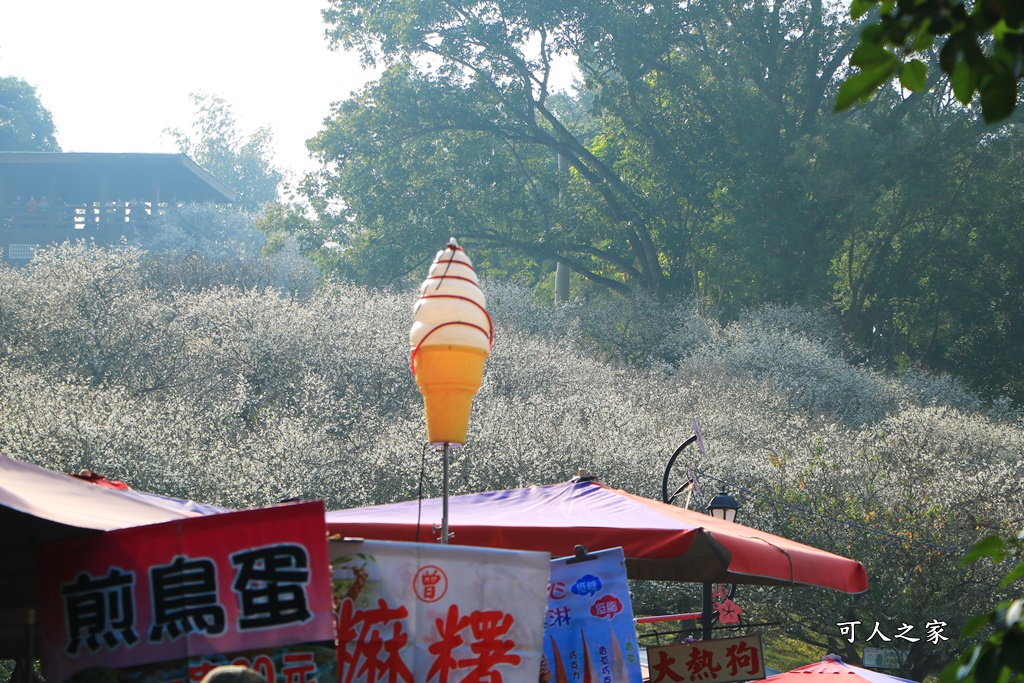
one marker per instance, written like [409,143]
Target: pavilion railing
[75,216]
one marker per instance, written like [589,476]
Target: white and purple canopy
[661,542]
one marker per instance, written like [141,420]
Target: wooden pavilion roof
[89,176]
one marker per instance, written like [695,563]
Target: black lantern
[723,506]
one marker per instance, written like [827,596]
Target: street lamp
[722,506]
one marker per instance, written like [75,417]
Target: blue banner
[589,635]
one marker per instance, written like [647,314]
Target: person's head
[233,674]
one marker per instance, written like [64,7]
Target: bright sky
[116,73]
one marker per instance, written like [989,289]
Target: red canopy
[825,671]
[38,506]
[661,542]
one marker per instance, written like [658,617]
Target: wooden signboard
[726,660]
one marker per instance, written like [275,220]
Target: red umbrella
[825,671]
[660,541]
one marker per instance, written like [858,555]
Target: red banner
[228,583]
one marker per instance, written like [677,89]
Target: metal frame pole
[665,498]
[444,501]
[707,617]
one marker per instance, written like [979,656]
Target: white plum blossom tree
[241,394]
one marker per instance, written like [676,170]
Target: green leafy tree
[692,158]
[925,273]
[671,148]
[25,124]
[699,156]
[1000,657]
[980,48]
[242,163]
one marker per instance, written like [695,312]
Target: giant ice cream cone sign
[450,341]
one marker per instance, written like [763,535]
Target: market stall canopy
[825,671]
[661,542]
[38,506]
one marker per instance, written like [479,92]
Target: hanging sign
[722,660]
[170,601]
[589,634]
[415,612]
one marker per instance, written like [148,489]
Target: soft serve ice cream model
[450,341]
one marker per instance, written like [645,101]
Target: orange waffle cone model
[448,377]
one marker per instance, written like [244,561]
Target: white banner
[426,613]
